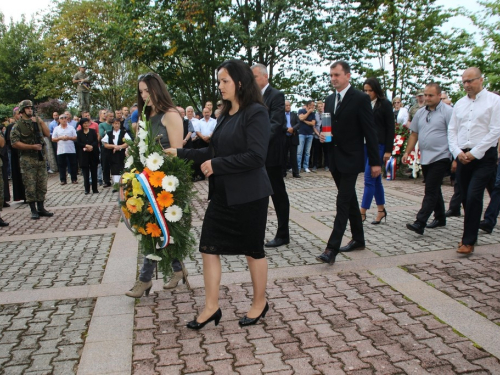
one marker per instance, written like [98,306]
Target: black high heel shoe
[246,321]
[376,222]
[193,324]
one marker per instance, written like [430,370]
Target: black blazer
[294,121]
[85,159]
[275,102]
[352,123]
[238,152]
[384,123]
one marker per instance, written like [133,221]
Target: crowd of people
[248,144]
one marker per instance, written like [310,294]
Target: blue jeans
[305,143]
[148,268]
[491,214]
[373,186]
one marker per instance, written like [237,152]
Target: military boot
[34,212]
[42,211]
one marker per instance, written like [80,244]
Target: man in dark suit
[352,123]
[292,138]
[275,102]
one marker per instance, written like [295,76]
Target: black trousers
[474,178]
[106,166]
[280,200]
[347,209]
[5,177]
[92,171]
[316,153]
[292,149]
[433,196]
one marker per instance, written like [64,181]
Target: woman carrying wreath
[239,189]
[167,122]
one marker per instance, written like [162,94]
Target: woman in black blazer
[88,155]
[384,124]
[239,189]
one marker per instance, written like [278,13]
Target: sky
[12,9]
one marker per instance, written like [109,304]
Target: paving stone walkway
[407,304]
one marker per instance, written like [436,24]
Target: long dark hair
[377,89]
[247,90]
[158,94]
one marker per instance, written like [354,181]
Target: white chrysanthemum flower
[142,133]
[171,241]
[169,183]
[154,161]
[173,213]
[156,258]
[129,162]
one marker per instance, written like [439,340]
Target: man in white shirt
[473,135]
[206,128]
[65,136]
[194,121]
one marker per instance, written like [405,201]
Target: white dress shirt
[206,128]
[264,89]
[403,116]
[475,124]
[116,134]
[64,147]
[342,94]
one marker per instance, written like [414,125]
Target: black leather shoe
[352,245]
[415,227]
[451,213]
[296,175]
[436,223]
[193,324]
[483,225]
[246,321]
[106,185]
[87,192]
[3,223]
[5,204]
[328,256]
[277,242]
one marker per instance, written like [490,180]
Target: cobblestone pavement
[474,282]
[53,262]
[62,309]
[43,337]
[348,323]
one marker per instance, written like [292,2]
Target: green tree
[19,51]
[76,34]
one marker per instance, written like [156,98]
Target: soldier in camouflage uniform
[27,136]
[2,144]
[419,104]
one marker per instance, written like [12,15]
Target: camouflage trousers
[35,176]
[1,191]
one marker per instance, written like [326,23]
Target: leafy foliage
[46,109]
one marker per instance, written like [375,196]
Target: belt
[466,149]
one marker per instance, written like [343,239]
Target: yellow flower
[137,188]
[126,212]
[127,176]
[134,204]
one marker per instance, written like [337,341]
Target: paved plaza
[407,304]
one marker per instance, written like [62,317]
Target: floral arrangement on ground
[155,198]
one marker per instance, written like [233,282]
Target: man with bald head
[473,135]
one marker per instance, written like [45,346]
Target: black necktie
[339,100]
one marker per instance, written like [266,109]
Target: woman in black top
[88,155]
[384,124]
[239,189]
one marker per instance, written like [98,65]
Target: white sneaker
[307,170]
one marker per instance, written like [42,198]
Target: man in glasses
[429,127]
[473,137]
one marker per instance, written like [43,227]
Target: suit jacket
[238,150]
[86,158]
[384,123]
[294,121]
[275,102]
[352,123]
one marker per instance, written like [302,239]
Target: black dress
[232,230]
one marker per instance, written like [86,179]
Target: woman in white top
[401,114]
